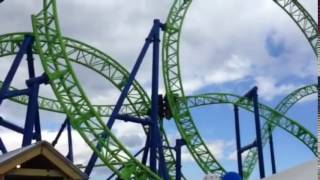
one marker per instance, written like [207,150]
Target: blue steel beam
[258,132]
[27,43]
[11,126]
[3,147]
[122,96]
[70,153]
[156,141]
[253,95]
[155,145]
[56,139]
[179,144]
[272,155]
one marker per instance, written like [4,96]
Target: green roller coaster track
[10,42]
[56,53]
[174,88]
[105,66]
[302,18]
[173,84]
[83,117]
[283,107]
[274,118]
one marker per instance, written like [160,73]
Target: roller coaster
[94,122]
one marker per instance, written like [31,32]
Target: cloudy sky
[227,46]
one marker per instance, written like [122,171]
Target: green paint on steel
[90,58]
[274,118]
[173,84]
[105,66]
[10,41]
[83,117]
[283,107]
[302,18]
[278,119]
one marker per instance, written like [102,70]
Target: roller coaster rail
[57,53]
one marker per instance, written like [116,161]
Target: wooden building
[39,161]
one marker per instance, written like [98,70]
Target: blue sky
[227,46]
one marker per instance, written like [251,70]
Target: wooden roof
[38,152]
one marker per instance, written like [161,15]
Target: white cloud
[233,155]
[82,152]
[269,89]
[230,70]
[310,98]
[216,49]
[130,134]
[218,148]
[226,50]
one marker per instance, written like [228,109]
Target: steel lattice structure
[57,53]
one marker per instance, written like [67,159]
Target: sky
[226,46]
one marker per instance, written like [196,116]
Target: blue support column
[31,115]
[33,108]
[63,126]
[253,96]
[258,132]
[146,151]
[70,153]
[32,74]
[123,95]
[3,148]
[179,144]
[156,141]
[238,140]
[27,43]
[273,160]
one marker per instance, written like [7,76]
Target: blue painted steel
[146,151]
[122,97]
[26,44]
[14,93]
[253,96]
[3,148]
[231,176]
[238,140]
[30,61]
[32,118]
[249,146]
[179,144]
[54,142]
[70,153]
[273,160]
[31,115]
[11,126]
[258,132]
[31,70]
[154,143]
[65,124]
[128,118]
